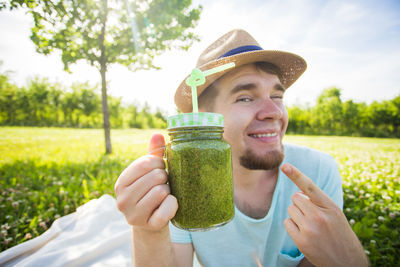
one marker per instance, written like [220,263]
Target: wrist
[152,247]
[144,234]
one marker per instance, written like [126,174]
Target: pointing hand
[318,226]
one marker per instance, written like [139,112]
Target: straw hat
[240,47]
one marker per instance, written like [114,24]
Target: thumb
[156,145]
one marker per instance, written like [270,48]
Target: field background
[46,173]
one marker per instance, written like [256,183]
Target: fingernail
[303,195]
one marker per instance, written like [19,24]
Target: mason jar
[199,165]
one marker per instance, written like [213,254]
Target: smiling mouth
[263,135]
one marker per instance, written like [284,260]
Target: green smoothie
[200,177]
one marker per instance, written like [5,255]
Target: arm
[318,226]
[159,244]
[143,196]
[152,248]
[183,254]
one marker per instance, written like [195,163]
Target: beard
[268,161]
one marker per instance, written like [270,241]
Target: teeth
[264,135]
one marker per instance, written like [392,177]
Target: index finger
[307,186]
[139,168]
[145,164]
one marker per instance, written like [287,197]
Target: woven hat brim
[291,66]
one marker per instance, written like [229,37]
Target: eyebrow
[243,87]
[279,87]
[252,86]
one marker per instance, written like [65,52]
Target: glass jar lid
[195,119]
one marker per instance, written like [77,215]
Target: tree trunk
[103,70]
[106,116]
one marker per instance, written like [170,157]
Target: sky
[353,45]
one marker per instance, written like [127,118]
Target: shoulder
[313,163]
[301,154]
[318,166]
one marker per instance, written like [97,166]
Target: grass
[46,173]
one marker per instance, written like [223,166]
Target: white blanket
[95,235]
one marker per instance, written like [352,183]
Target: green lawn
[46,173]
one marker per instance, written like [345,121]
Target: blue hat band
[241,49]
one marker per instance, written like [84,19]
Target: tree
[103,32]
[395,111]
[133,114]
[38,94]
[328,111]
[299,120]
[351,116]
[115,111]
[8,100]
[70,102]
[55,93]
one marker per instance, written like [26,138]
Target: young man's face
[251,101]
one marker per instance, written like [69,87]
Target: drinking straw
[198,77]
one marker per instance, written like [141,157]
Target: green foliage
[43,103]
[331,116]
[371,184]
[105,32]
[9,99]
[100,31]
[49,172]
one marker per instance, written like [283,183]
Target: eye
[244,99]
[277,96]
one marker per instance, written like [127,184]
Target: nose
[270,110]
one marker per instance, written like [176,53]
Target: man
[275,224]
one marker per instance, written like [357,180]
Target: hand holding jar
[143,194]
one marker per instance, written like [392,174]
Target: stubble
[269,161]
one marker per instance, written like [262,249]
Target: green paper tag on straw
[198,77]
